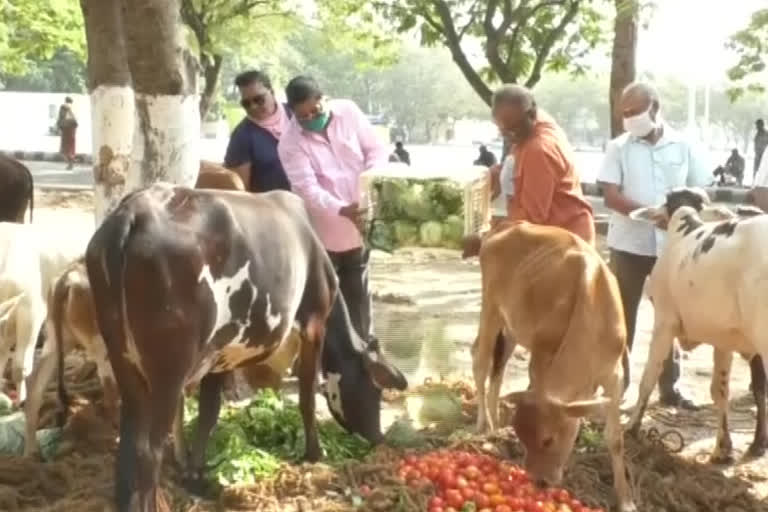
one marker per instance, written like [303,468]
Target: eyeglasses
[256,100]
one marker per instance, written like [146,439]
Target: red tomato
[497,499]
[436,509]
[485,510]
[535,506]
[454,498]
[576,506]
[471,472]
[490,488]
[468,494]
[450,509]
[436,501]
[482,500]
[503,508]
[410,459]
[515,503]
[563,496]
[506,487]
[461,482]
[447,478]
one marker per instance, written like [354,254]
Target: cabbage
[415,204]
[453,232]
[431,233]
[405,233]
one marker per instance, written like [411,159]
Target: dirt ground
[426,308]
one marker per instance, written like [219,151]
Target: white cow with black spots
[709,286]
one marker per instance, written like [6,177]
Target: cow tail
[105,265]
[60,292]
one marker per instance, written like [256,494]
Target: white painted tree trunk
[112,116]
[166,140]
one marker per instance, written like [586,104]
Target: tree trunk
[211,72]
[623,68]
[166,142]
[112,108]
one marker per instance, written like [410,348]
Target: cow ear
[383,373]
[582,408]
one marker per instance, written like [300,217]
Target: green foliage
[64,72]
[751,47]
[34,30]
[251,442]
[520,40]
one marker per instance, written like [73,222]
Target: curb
[46,156]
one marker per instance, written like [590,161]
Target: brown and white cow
[708,286]
[190,284]
[17,191]
[556,297]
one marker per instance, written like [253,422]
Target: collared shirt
[325,172]
[645,173]
[254,144]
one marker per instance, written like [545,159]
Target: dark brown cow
[17,191]
[190,284]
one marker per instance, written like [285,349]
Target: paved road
[55,173]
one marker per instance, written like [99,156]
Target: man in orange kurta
[547,189]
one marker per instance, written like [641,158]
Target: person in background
[402,154]
[759,193]
[327,147]
[640,167]
[761,142]
[67,124]
[735,165]
[486,158]
[252,149]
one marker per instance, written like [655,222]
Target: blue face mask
[317,123]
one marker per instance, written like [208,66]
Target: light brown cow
[216,176]
[71,324]
[557,297]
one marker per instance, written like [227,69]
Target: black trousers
[631,270]
[352,269]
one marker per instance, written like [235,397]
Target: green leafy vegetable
[251,442]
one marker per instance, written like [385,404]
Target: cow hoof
[757,448]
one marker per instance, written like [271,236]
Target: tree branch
[472,18]
[544,50]
[459,57]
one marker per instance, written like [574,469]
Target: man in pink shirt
[325,149]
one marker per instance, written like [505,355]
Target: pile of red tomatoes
[467,481]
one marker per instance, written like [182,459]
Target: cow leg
[661,343]
[501,353]
[179,443]
[209,407]
[614,437]
[491,325]
[719,389]
[27,330]
[36,384]
[97,352]
[309,362]
[760,444]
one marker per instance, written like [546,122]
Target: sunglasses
[256,100]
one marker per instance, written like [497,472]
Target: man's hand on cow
[354,213]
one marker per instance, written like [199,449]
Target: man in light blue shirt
[640,167]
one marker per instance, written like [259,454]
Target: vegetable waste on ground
[412,212]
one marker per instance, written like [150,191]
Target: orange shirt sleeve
[539,171]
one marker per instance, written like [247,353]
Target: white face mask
[640,125]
